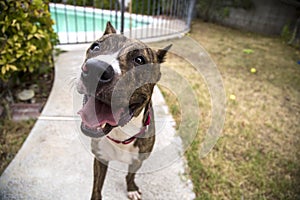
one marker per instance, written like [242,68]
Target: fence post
[190,12]
[122,15]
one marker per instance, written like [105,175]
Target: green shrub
[286,33]
[155,7]
[27,38]
[209,10]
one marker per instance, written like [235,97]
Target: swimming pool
[74,22]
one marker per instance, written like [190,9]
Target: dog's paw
[134,195]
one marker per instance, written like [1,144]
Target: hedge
[26,37]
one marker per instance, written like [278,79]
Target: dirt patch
[14,133]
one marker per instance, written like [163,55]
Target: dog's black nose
[97,71]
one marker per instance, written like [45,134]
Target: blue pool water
[78,20]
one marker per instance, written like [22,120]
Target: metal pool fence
[82,21]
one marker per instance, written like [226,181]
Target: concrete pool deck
[55,161]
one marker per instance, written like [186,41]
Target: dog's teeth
[103,125]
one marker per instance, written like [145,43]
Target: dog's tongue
[96,113]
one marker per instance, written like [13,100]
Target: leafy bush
[26,38]
[286,33]
[140,7]
[154,8]
[209,10]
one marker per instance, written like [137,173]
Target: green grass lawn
[258,154]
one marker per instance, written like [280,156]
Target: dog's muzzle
[95,72]
[98,118]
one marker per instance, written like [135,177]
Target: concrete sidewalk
[55,161]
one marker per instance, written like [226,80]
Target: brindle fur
[111,42]
[100,169]
[145,144]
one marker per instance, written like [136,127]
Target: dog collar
[142,131]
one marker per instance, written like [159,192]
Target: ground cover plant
[258,154]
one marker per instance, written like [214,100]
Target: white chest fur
[106,149]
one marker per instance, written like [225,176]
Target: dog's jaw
[98,118]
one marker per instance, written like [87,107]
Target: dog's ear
[161,53]
[109,29]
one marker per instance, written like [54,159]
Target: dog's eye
[140,60]
[95,47]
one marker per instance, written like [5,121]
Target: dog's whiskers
[71,82]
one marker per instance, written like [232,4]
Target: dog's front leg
[133,190]
[100,169]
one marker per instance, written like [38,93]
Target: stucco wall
[267,17]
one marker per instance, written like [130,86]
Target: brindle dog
[117,80]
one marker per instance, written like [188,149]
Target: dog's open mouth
[98,118]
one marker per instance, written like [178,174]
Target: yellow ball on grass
[253,70]
[232,97]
